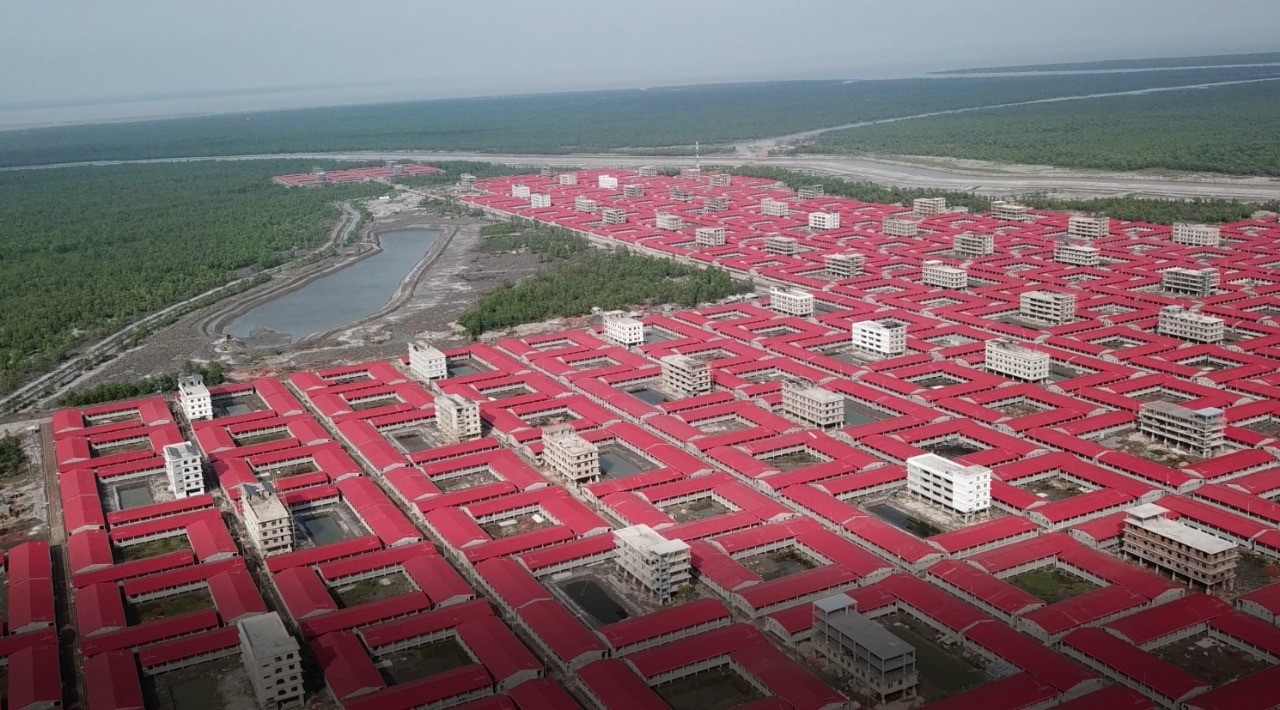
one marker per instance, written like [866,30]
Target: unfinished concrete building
[1009,359]
[1055,307]
[1080,226]
[1008,211]
[268,520]
[811,406]
[184,469]
[900,226]
[811,192]
[658,566]
[1190,282]
[970,245]
[706,237]
[669,222]
[427,362]
[612,216]
[1199,431]
[1076,254]
[1183,552]
[1196,235]
[877,659]
[270,657]
[779,245]
[882,337]
[684,377]
[1186,324]
[929,206]
[845,266]
[824,220]
[774,208]
[457,418]
[960,489]
[570,456]
[943,275]
[194,397]
[791,302]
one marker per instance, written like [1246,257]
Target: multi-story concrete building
[1178,549]
[845,266]
[1200,431]
[539,199]
[1197,235]
[1080,226]
[812,407]
[1179,322]
[197,403]
[426,361]
[457,418]
[883,337]
[709,236]
[623,329]
[521,191]
[779,245]
[973,245]
[774,208]
[1190,282]
[864,649]
[721,180]
[716,204]
[929,206]
[647,171]
[690,172]
[792,302]
[1054,307]
[1076,254]
[612,216]
[684,377]
[467,181]
[607,182]
[660,567]
[1008,211]
[669,222]
[633,190]
[567,178]
[267,518]
[184,469]
[811,192]
[582,203]
[900,226]
[824,220]
[943,275]
[270,658]
[570,456]
[965,490]
[1009,359]
[679,194]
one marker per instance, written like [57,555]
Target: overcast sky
[58,51]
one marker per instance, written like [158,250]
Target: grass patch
[1052,584]
[154,548]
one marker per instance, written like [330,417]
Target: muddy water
[342,297]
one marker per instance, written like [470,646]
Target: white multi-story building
[792,302]
[812,406]
[270,658]
[1200,431]
[1191,282]
[883,337]
[607,182]
[900,226]
[774,208]
[426,362]
[669,222]
[1198,235]
[974,245]
[660,567]
[780,245]
[194,397]
[633,190]
[539,199]
[824,220]
[457,418]
[928,206]
[1054,307]
[845,266]
[567,178]
[683,376]
[570,456]
[623,329]
[1007,358]
[1179,322]
[709,236]
[811,192]
[1076,254]
[521,191]
[961,489]
[1081,226]
[582,203]
[613,216]
[943,275]
[1008,211]
[267,518]
[184,469]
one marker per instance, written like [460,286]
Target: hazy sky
[55,51]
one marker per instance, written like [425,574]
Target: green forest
[1126,208]
[584,278]
[13,460]
[1225,129]
[89,249]
[212,373]
[567,122]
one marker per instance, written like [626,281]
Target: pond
[595,600]
[902,520]
[341,297]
